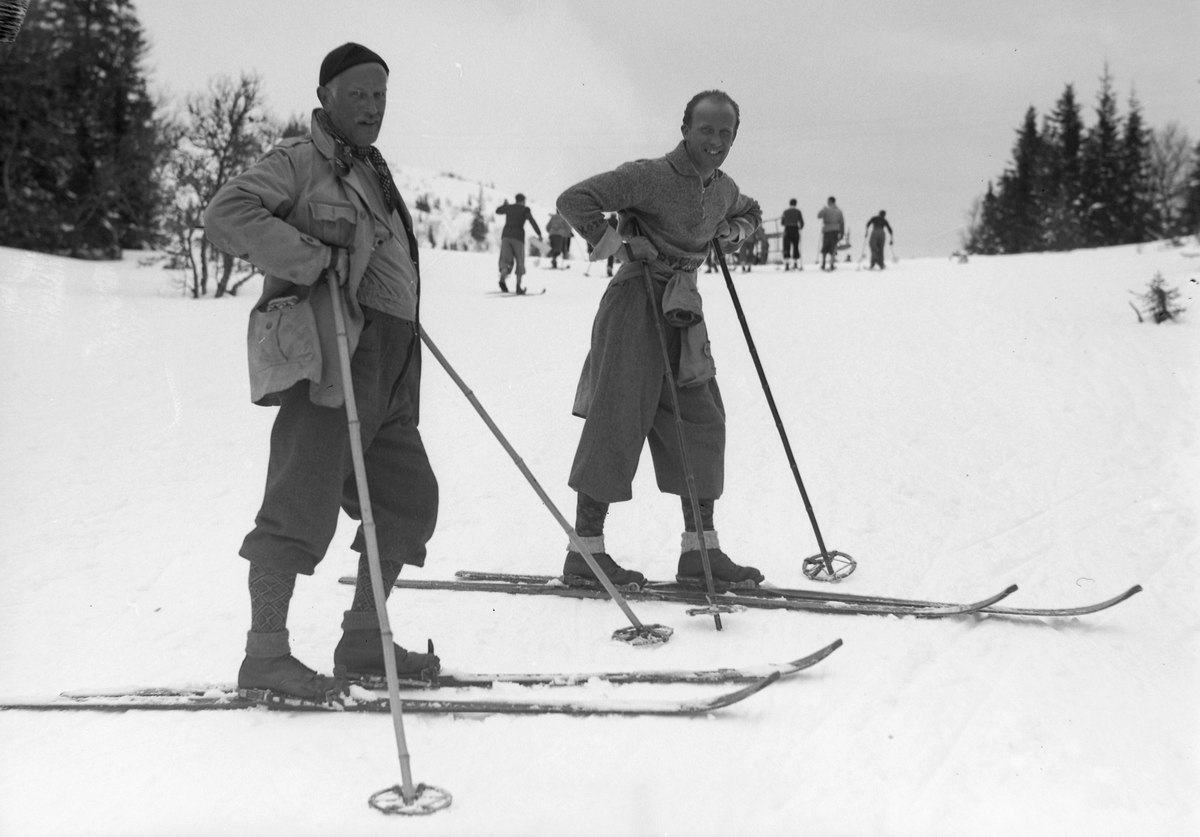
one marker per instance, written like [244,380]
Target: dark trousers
[310,474]
[791,243]
[877,240]
[630,404]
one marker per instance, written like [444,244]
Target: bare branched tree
[1170,162]
[221,132]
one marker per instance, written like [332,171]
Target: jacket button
[362,214]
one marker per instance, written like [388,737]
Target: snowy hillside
[960,428]
[444,207]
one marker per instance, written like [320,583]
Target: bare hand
[339,265]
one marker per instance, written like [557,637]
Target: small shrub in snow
[1158,302]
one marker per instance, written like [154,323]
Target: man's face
[710,135]
[355,100]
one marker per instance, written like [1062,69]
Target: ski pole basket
[427,800]
[828,566]
[643,636]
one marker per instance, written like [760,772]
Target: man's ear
[323,95]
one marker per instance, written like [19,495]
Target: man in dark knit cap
[320,215]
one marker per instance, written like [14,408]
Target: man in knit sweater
[669,209]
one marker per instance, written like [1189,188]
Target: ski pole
[410,794]
[687,467]
[639,634]
[826,556]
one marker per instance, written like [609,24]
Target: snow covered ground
[960,427]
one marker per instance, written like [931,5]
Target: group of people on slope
[321,216]
[833,231]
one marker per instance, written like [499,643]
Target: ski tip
[1010,589]
[1137,588]
[812,659]
[730,698]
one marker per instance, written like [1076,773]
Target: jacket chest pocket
[333,223]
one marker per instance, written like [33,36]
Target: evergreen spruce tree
[1101,172]
[982,237]
[1137,213]
[1063,142]
[1020,191]
[80,139]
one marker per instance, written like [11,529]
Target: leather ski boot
[725,572]
[286,676]
[577,573]
[359,658]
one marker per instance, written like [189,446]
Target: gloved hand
[338,267]
[639,248]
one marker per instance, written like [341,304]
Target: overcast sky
[905,106]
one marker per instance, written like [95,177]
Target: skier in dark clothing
[512,240]
[793,222]
[669,210]
[875,228]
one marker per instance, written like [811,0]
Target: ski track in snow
[958,427]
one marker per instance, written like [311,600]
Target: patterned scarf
[370,154]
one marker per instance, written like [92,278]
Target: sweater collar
[681,161]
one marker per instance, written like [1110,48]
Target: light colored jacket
[832,218]
[282,215]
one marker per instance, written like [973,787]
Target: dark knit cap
[346,56]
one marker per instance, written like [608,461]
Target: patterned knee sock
[364,594]
[706,514]
[589,516]
[270,595]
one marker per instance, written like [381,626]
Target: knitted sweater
[664,200]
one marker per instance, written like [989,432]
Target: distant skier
[793,222]
[754,250]
[324,207]
[512,240]
[875,232]
[669,209]
[558,230]
[833,227]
